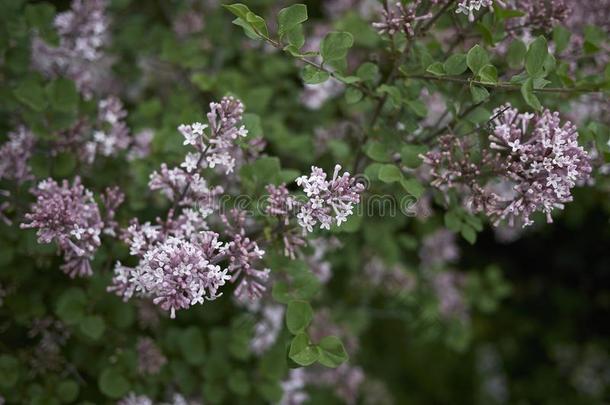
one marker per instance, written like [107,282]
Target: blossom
[150,358]
[439,248]
[140,145]
[112,198]
[468,7]
[83,32]
[531,165]
[69,216]
[268,328]
[112,134]
[176,273]
[327,198]
[279,202]
[448,287]
[243,253]
[400,19]
[15,155]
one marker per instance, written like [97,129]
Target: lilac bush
[286,203]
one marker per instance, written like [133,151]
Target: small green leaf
[377,151]
[479,94]
[311,75]
[413,187]
[31,93]
[291,17]
[561,37]
[331,352]
[489,74]
[334,48]
[62,95]
[436,69]
[477,58]
[536,57]
[298,316]
[9,371]
[410,155]
[368,72]
[113,384]
[527,91]
[70,306]
[302,351]
[456,64]
[390,174]
[469,234]
[353,95]
[516,54]
[93,326]
[67,391]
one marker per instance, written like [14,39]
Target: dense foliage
[344,201]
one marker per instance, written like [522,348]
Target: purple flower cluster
[217,148]
[542,14]
[15,155]
[150,358]
[400,19]
[439,248]
[328,201]
[448,287]
[531,165]
[112,134]
[82,34]
[176,273]
[69,216]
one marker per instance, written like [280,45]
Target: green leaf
[112,383]
[489,74]
[479,94]
[192,345]
[238,383]
[67,391]
[9,371]
[456,64]
[561,37]
[368,72]
[298,316]
[418,107]
[334,48]
[536,56]
[353,95]
[413,187]
[436,69]
[390,174]
[453,221]
[527,91]
[477,58]
[93,326]
[31,93]
[63,95]
[70,306]
[469,234]
[302,351]
[290,18]
[516,54]
[311,75]
[377,151]
[410,155]
[331,352]
[254,25]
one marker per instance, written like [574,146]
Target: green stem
[502,86]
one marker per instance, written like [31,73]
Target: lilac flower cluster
[217,148]
[176,273]
[400,19]
[448,287]
[542,14]
[15,154]
[327,198]
[180,258]
[69,216]
[531,165]
[112,134]
[439,248]
[468,7]
[82,33]
[150,358]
